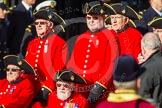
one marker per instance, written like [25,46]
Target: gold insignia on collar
[72,78]
[20,62]
[123,11]
[101,11]
[52,5]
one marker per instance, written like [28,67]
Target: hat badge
[72,78]
[49,16]
[123,11]
[101,11]
[20,62]
[52,5]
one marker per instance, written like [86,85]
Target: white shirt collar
[157,11]
[26,5]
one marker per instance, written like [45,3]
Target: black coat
[151,79]
[3,46]
[19,19]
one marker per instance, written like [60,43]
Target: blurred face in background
[30,2]
[118,21]
[64,89]
[43,27]
[159,32]
[157,4]
[95,22]
[3,13]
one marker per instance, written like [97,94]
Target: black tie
[30,11]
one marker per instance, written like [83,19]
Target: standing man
[94,52]
[66,95]
[126,83]
[44,53]
[3,37]
[151,79]
[15,90]
[20,18]
[129,38]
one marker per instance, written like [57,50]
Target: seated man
[16,91]
[125,80]
[66,97]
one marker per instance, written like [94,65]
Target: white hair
[151,41]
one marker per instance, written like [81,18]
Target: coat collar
[123,96]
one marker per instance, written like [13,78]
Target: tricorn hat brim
[20,62]
[69,76]
[48,14]
[156,23]
[125,10]
[99,8]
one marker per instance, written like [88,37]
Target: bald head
[151,41]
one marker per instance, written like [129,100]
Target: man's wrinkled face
[42,27]
[95,22]
[64,89]
[118,21]
[13,73]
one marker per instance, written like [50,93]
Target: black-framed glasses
[12,69]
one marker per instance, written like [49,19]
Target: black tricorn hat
[69,76]
[130,23]
[20,62]
[98,7]
[126,69]
[49,14]
[3,6]
[123,9]
[156,23]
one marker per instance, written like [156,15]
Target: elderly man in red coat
[44,53]
[66,96]
[15,90]
[94,52]
[129,38]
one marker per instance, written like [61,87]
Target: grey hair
[151,41]
[125,85]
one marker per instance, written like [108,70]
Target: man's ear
[22,72]
[126,19]
[50,24]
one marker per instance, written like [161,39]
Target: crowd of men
[110,56]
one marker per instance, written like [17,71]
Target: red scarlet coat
[93,58]
[45,55]
[18,95]
[130,42]
[75,99]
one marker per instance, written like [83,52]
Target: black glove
[42,95]
[96,92]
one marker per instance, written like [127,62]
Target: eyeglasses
[12,69]
[64,85]
[94,18]
[41,23]
[115,17]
